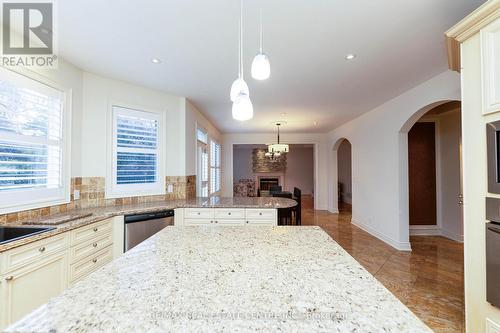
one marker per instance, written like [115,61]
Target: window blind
[136,147]
[215,163]
[30,135]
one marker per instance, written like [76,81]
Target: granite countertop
[232,279]
[102,213]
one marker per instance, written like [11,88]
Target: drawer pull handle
[94,260]
[9,278]
[216,221]
[247,222]
[42,249]
[198,213]
[260,214]
[228,213]
[95,229]
[94,245]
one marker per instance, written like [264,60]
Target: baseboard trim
[333,211]
[400,246]
[453,236]
[425,230]
[433,230]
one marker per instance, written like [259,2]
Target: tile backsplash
[92,194]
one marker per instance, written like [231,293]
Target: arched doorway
[431,172]
[341,196]
[344,176]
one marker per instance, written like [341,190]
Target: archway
[341,185]
[430,203]
[344,176]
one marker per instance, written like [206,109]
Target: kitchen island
[226,280]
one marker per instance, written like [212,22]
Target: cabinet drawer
[192,222]
[225,213]
[90,247]
[90,264]
[261,222]
[228,222]
[91,231]
[35,251]
[199,213]
[265,214]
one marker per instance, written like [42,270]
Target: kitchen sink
[9,234]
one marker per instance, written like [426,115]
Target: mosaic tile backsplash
[92,194]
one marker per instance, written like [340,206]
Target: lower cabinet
[30,275]
[226,216]
[26,288]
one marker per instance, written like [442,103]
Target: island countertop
[289,279]
[96,214]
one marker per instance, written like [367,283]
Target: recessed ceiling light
[350,56]
[155,60]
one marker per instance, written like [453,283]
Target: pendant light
[276,149]
[261,68]
[242,108]
[239,85]
[240,95]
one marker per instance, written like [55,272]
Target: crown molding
[466,28]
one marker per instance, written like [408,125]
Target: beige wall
[450,187]
[379,142]
[193,119]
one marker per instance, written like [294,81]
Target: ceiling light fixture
[155,60]
[261,68]
[350,56]
[240,95]
[276,149]
[239,85]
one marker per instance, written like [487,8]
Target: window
[136,153]
[201,135]
[32,151]
[202,158]
[215,181]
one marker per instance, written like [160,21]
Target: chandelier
[277,149]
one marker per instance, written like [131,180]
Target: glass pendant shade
[239,87]
[242,107]
[278,148]
[261,68]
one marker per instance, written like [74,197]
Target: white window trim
[63,197]
[200,145]
[210,193]
[135,190]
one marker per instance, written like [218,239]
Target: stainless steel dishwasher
[139,227]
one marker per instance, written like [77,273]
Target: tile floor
[429,280]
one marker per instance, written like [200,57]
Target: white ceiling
[399,45]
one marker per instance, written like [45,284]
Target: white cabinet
[33,273]
[490,66]
[91,248]
[261,216]
[226,216]
[27,287]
